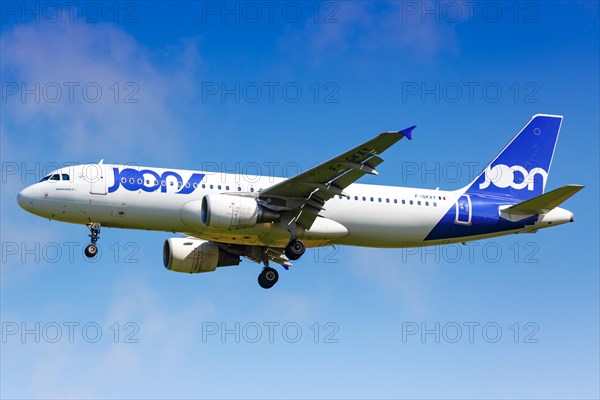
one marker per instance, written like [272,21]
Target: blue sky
[208,84]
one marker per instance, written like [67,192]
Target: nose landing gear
[91,249]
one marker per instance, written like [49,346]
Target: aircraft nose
[25,199]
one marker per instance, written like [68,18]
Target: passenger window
[395,201]
[419,202]
[219,187]
[379,199]
[355,197]
[411,202]
[211,186]
[434,204]
[364,198]
[387,200]
[403,201]
[371,199]
[203,186]
[426,203]
[227,187]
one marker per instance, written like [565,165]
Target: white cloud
[354,29]
[65,64]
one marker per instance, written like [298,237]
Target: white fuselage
[373,215]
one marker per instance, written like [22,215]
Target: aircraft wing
[306,193]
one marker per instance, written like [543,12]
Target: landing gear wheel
[295,249]
[91,250]
[268,277]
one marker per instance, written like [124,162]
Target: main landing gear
[269,276]
[91,249]
[295,249]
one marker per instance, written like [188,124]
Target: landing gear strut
[295,249]
[269,276]
[91,249]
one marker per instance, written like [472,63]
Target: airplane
[273,220]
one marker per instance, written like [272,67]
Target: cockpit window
[55,177]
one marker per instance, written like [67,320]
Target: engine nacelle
[223,211]
[194,256]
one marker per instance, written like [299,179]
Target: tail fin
[520,170]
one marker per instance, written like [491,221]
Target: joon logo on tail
[516,177]
[150,181]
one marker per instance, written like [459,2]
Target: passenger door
[94,173]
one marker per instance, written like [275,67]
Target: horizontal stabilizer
[545,202]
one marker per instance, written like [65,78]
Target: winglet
[408,132]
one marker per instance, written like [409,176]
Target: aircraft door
[463,210]
[94,173]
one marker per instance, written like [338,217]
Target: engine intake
[224,211]
[195,256]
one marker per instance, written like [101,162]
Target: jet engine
[229,212]
[195,256]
